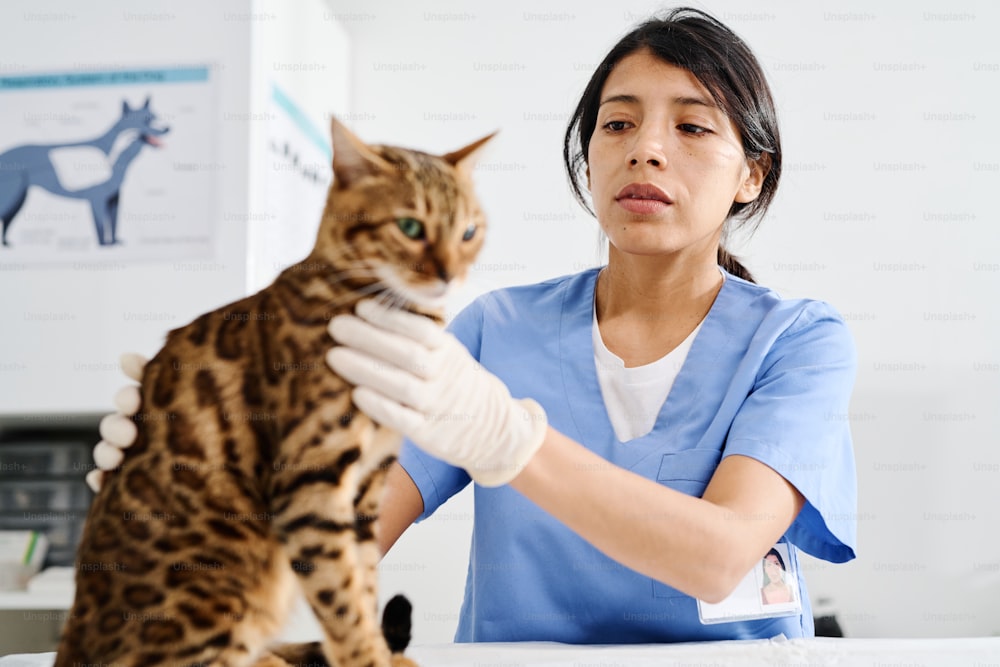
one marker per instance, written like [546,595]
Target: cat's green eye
[470,232]
[412,227]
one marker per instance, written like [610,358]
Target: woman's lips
[643,198]
[642,206]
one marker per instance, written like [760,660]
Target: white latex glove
[118,432]
[417,378]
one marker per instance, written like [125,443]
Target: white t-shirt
[634,396]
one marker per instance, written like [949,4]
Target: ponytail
[732,265]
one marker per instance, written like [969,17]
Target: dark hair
[693,40]
[781,562]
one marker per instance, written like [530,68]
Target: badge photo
[769,590]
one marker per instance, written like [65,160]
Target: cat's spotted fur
[253,473]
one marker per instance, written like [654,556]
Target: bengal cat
[252,468]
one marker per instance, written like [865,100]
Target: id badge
[769,590]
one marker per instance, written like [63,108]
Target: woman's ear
[757,171]
[587,173]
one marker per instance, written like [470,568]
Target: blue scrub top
[765,378]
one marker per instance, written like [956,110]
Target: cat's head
[400,222]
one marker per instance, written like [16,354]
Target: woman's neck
[647,289]
[646,307]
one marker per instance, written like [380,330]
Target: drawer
[39,496]
[20,459]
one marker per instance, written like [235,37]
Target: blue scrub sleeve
[795,421]
[436,480]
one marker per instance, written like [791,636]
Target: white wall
[303,50]
[890,134]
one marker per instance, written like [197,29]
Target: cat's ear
[352,158]
[464,159]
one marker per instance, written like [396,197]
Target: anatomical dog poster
[108,165]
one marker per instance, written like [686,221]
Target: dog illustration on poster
[33,164]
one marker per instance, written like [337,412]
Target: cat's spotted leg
[293,655]
[271,660]
[315,519]
[311,655]
[396,621]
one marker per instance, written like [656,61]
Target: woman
[676,420]
[775,590]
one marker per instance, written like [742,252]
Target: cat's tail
[397,623]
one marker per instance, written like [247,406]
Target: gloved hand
[417,378]
[118,432]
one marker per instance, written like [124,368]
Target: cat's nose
[443,274]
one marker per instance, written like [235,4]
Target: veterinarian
[642,434]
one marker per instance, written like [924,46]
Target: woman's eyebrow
[683,100]
[700,101]
[627,99]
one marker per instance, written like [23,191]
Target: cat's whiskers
[357,294]
[392,299]
[396,300]
[351,274]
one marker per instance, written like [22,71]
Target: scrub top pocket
[688,472]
